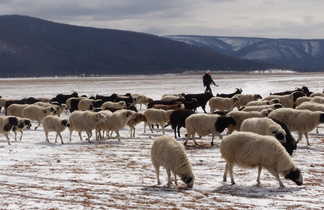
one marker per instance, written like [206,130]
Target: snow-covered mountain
[300,54]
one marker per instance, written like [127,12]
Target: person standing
[207,81]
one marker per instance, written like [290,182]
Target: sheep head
[296,176]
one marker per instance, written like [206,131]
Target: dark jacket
[207,80]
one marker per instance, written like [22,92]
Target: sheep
[118,120]
[302,121]
[312,106]
[317,94]
[172,97]
[84,121]
[16,109]
[250,150]
[102,125]
[168,107]
[170,154]
[114,105]
[156,116]
[246,98]
[263,102]
[317,99]
[141,99]
[204,124]
[264,126]
[288,101]
[302,99]
[240,116]
[54,123]
[59,108]
[260,108]
[23,123]
[223,104]
[7,123]
[290,144]
[177,119]
[133,121]
[86,104]
[202,99]
[303,89]
[37,113]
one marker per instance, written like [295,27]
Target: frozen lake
[76,175]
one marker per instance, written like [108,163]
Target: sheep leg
[225,173]
[169,177]
[300,136]
[89,134]
[80,136]
[306,136]
[259,174]
[163,132]
[21,134]
[134,132]
[61,138]
[145,127]
[15,135]
[56,137]
[178,128]
[194,140]
[71,131]
[230,168]
[8,139]
[37,125]
[317,128]
[175,178]
[157,172]
[118,136]
[212,141]
[275,174]
[46,135]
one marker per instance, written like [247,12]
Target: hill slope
[35,47]
[304,55]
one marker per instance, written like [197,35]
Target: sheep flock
[174,131]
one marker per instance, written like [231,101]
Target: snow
[113,175]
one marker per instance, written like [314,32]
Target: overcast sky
[257,18]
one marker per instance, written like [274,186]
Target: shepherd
[207,81]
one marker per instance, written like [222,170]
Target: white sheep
[263,102]
[317,99]
[240,116]
[84,121]
[223,104]
[86,104]
[141,99]
[59,108]
[156,116]
[250,150]
[302,121]
[102,125]
[317,94]
[205,124]
[303,99]
[171,97]
[264,126]
[261,107]
[170,154]
[54,123]
[246,98]
[118,120]
[287,101]
[37,113]
[113,105]
[7,123]
[23,123]
[16,109]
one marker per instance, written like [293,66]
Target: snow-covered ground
[79,175]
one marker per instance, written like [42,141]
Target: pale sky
[302,19]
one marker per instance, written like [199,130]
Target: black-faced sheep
[170,154]
[37,113]
[56,124]
[205,124]
[135,120]
[302,121]
[264,126]
[252,150]
[23,123]
[7,123]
